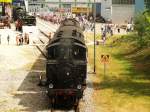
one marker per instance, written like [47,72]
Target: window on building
[123,1]
[147,3]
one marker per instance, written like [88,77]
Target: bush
[142,27]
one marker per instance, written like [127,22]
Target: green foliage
[142,27]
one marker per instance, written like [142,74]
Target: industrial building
[122,11]
[116,11]
[36,6]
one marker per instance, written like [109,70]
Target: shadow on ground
[32,97]
[125,86]
[135,81]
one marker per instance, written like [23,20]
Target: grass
[13,110]
[126,85]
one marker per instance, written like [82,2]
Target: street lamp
[94,37]
[88,8]
[60,4]
[75,1]
[3,8]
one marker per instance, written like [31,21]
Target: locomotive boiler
[66,66]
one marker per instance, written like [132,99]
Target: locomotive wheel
[52,110]
[51,104]
[77,109]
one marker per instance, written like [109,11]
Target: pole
[75,3]
[3,9]
[104,70]
[59,4]
[88,8]
[26,5]
[94,37]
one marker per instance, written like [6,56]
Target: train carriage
[66,67]
[21,18]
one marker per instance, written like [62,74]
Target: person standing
[49,36]
[26,38]
[21,39]
[92,26]
[111,32]
[17,39]
[0,38]
[118,28]
[8,39]
[104,35]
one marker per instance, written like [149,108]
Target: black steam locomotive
[66,67]
[22,18]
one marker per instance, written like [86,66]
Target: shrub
[142,27]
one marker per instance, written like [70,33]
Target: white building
[106,9]
[118,11]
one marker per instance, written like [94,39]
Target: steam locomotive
[66,66]
[21,18]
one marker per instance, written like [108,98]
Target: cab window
[53,52]
[79,53]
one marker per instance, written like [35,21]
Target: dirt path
[19,71]
[87,104]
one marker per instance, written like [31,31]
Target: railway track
[42,42]
[46,27]
[85,105]
[41,46]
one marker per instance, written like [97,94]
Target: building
[116,11]
[122,11]
[75,6]
[147,4]
[139,6]
[36,6]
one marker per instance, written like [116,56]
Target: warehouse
[115,11]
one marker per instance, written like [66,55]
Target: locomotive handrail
[81,45]
[53,44]
[74,23]
[71,37]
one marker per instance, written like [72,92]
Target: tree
[142,27]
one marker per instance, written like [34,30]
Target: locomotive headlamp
[68,73]
[51,86]
[79,86]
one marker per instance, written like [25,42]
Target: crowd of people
[107,29]
[85,21]
[8,39]
[20,39]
